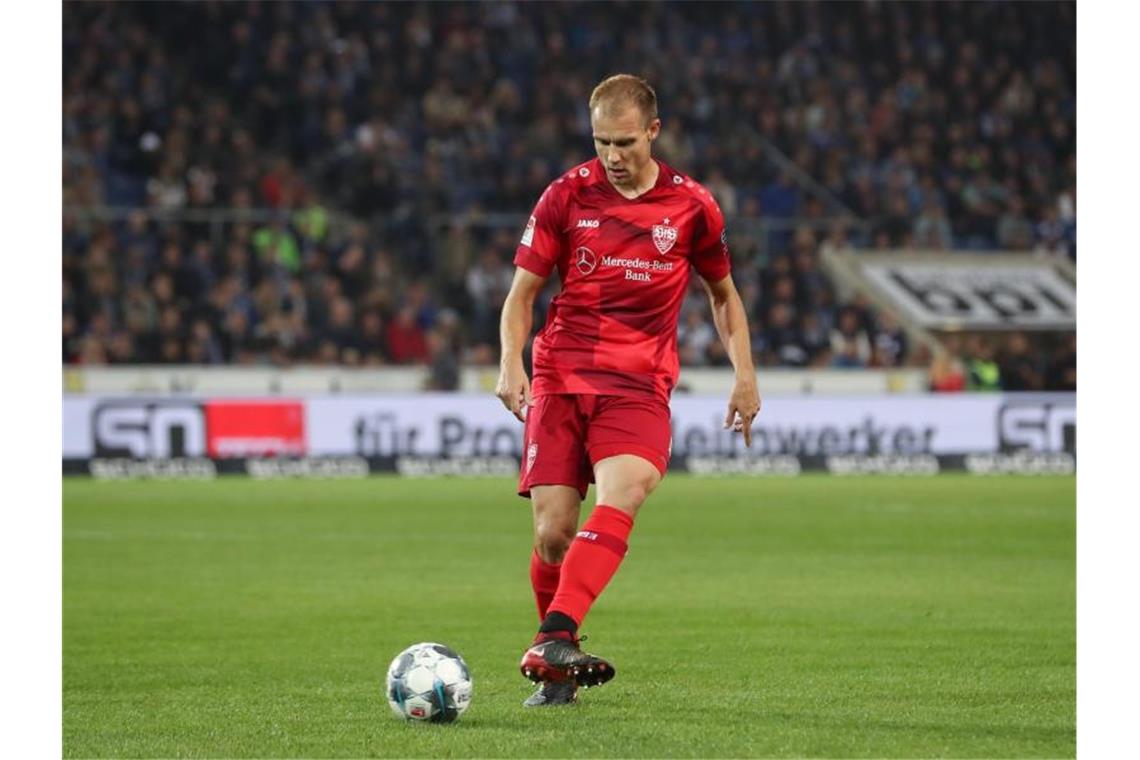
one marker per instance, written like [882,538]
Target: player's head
[623,114]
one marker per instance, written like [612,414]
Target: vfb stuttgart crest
[664,237]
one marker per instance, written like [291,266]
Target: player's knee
[630,494]
[552,539]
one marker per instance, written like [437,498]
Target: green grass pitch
[818,616]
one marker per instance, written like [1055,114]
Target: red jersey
[624,266]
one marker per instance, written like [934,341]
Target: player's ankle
[559,623]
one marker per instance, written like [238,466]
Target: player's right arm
[513,388]
[535,259]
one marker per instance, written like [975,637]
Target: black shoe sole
[559,700]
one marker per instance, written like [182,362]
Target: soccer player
[622,230]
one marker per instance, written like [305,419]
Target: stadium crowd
[347,131]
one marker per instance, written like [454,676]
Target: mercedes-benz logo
[585,260]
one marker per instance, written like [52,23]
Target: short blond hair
[617,92]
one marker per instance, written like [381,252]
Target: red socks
[544,580]
[594,556]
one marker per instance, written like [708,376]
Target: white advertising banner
[78,436]
[477,425]
[961,295]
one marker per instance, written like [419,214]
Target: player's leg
[556,509]
[623,483]
[629,442]
[555,476]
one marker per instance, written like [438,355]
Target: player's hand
[743,406]
[513,389]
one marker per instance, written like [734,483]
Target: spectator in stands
[166,191]
[888,342]
[838,239]
[443,363]
[140,313]
[816,339]
[168,337]
[372,343]
[947,373]
[311,219]
[1014,231]
[277,247]
[850,346]
[931,229]
[694,336]
[1049,234]
[341,330]
[91,351]
[375,129]
[809,277]
[776,283]
[353,272]
[1020,370]
[864,311]
[235,335]
[406,341]
[982,372]
[896,224]
[120,349]
[201,346]
[784,344]
[70,338]
[443,344]
[487,284]
[1063,369]
[781,198]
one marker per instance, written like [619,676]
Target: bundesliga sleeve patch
[528,233]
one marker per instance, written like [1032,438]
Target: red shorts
[566,435]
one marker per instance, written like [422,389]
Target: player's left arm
[732,326]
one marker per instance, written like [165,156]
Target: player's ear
[654,129]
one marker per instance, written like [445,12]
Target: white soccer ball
[430,682]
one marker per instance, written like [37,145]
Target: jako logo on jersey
[585,260]
[528,233]
[531,455]
[591,223]
[664,236]
[583,172]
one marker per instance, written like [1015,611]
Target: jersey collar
[664,178]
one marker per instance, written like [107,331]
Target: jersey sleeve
[710,253]
[542,240]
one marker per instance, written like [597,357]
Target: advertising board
[433,434]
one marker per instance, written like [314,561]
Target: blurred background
[251,183]
[275,197]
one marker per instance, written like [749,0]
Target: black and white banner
[963,295]
[339,468]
